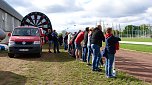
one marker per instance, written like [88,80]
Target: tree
[131,30]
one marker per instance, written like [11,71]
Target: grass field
[138,39]
[56,69]
[141,48]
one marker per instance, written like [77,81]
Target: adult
[78,47]
[112,43]
[60,38]
[85,50]
[73,43]
[65,41]
[96,44]
[49,35]
[89,46]
[69,39]
[55,41]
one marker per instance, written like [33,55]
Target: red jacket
[79,38]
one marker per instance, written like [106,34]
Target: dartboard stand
[37,19]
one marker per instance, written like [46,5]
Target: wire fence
[131,31]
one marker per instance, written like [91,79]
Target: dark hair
[87,29]
[96,28]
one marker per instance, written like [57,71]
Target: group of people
[85,43]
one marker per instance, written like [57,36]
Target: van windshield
[25,32]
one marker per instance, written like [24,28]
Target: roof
[7,8]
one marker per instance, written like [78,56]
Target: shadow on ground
[137,69]
[48,57]
[10,78]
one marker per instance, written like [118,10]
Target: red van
[26,40]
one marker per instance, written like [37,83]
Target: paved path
[135,63]
[136,43]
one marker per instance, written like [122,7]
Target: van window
[26,32]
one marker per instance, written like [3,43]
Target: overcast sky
[66,13]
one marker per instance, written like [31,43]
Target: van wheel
[11,55]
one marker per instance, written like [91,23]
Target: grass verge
[58,69]
[137,39]
[141,48]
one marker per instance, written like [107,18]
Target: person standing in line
[60,38]
[49,35]
[78,47]
[96,44]
[89,46]
[69,38]
[112,44]
[73,43]
[55,41]
[85,50]
[65,41]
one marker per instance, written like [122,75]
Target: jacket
[79,38]
[85,38]
[97,37]
[111,43]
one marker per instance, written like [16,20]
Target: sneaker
[88,64]
[81,59]
[97,70]
[110,77]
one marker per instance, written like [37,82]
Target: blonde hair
[91,28]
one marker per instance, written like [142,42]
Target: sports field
[137,39]
[142,48]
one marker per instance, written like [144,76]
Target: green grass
[3,51]
[141,48]
[61,69]
[138,39]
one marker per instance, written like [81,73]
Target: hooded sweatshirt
[112,43]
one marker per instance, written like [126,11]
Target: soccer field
[137,39]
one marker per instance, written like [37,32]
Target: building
[9,17]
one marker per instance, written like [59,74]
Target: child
[112,43]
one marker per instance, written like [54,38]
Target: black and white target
[37,19]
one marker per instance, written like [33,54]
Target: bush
[150,36]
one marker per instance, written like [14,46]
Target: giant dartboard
[37,19]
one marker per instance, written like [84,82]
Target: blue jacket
[111,44]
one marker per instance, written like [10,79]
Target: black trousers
[56,46]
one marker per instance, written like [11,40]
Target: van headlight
[11,43]
[36,42]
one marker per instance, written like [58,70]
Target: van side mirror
[9,34]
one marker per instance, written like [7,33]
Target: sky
[77,14]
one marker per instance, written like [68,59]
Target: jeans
[56,46]
[84,53]
[96,55]
[65,45]
[109,63]
[89,53]
[69,48]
